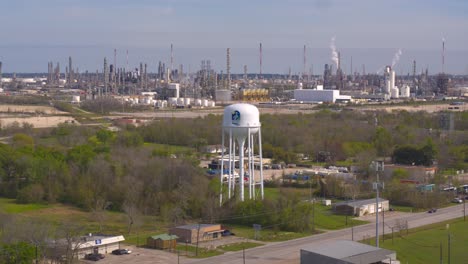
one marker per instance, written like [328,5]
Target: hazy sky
[371,31]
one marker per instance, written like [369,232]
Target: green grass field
[11,207]
[422,245]
[239,246]
[267,235]
[191,251]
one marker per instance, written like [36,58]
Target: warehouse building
[320,95]
[360,207]
[197,232]
[346,252]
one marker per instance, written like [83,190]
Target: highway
[288,251]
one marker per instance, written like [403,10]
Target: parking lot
[140,255]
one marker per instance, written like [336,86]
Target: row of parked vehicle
[99,256]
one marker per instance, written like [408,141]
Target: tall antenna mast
[261,55]
[228,67]
[126,67]
[305,63]
[114,69]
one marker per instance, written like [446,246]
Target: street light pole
[379,166]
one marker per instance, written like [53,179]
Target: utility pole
[198,236]
[440,254]
[464,209]
[448,252]
[243,254]
[379,166]
[383,224]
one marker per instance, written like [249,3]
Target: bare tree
[65,248]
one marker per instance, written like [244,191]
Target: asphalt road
[288,251]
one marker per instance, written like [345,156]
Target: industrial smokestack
[106,77]
[443,55]
[261,58]
[305,63]
[0,74]
[245,73]
[70,71]
[172,57]
[126,65]
[228,67]
[339,61]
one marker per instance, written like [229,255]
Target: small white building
[361,207]
[90,244]
[326,96]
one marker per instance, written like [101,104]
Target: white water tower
[241,123]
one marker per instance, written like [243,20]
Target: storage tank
[172,101]
[186,101]
[180,101]
[405,91]
[395,92]
[174,87]
[388,86]
[198,102]
[223,95]
[205,102]
[392,79]
[212,104]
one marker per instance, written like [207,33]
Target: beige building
[197,232]
[419,173]
[360,207]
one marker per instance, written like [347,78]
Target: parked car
[433,210]
[94,256]
[457,200]
[121,251]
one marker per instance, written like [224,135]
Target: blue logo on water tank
[236,117]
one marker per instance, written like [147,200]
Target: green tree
[382,141]
[20,253]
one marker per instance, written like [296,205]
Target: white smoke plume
[396,58]
[380,70]
[334,53]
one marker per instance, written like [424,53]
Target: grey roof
[359,203]
[165,237]
[194,226]
[345,249]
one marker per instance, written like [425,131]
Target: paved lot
[140,255]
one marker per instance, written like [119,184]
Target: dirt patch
[30,109]
[38,121]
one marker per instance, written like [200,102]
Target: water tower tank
[240,117]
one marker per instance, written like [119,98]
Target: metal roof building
[346,252]
[361,207]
